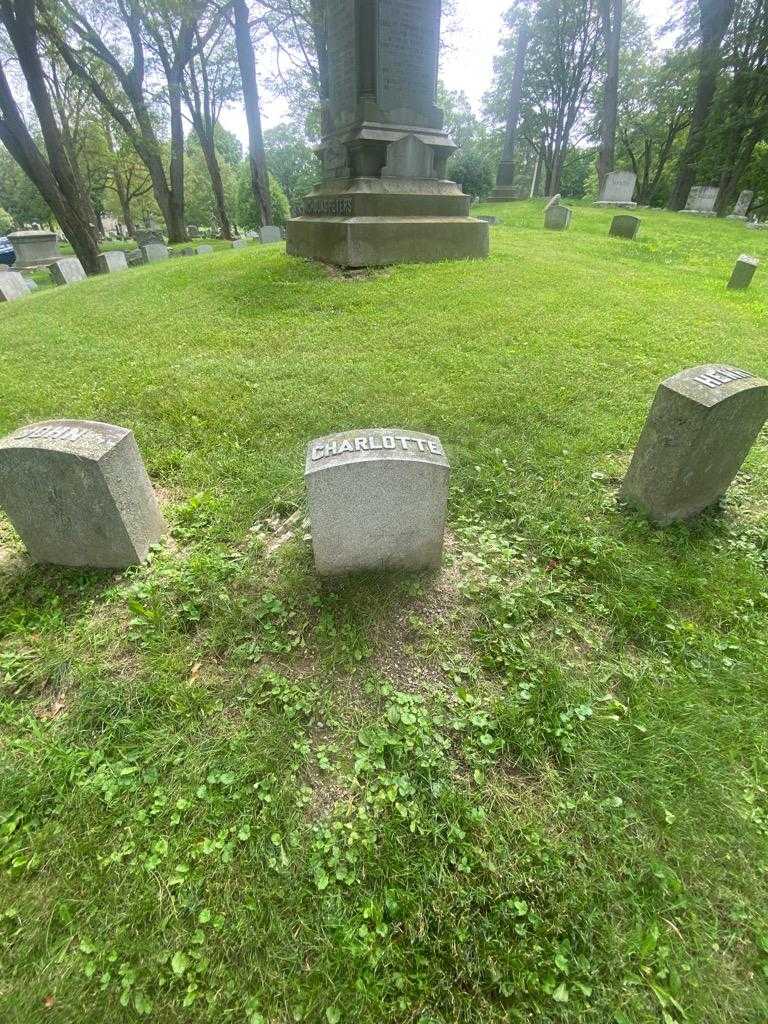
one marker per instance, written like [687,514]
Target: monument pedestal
[503,194]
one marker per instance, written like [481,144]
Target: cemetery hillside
[533,784]
[384,512]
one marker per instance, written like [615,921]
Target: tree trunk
[214,172]
[731,176]
[612,13]
[506,173]
[177,229]
[256,155]
[715,17]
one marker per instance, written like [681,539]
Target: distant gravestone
[702,199]
[618,189]
[201,250]
[112,262]
[134,258]
[743,204]
[269,233]
[489,220]
[702,423]
[557,218]
[34,248]
[67,271]
[743,272]
[155,252]
[624,226]
[377,500]
[78,494]
[149,236]
[193,231]
[12,286]
[239,243]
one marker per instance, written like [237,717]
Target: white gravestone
[743,272]
[78,494]
[269,233]
[154,252]
[702,199]
[377,500]
[12,286]
[67,271]
[701,426]
[112,262]
[743,204]
[618,189]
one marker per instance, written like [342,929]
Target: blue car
[7,255]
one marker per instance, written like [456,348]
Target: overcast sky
[467,66]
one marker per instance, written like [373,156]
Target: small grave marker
[112,262]
[239,243]
[624,226]
[557,218]
[67,271]
[154,252]
[743,272]
[203,249]
[12,286]
[269,233]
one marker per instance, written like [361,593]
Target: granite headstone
[112,262]
[12,286]
[557,218]
[702,199]
[67,271]
[154,252]
[618,189]
[624,226]
[743,272]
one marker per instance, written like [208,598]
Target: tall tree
[256,156]
[506,173]
[57,180]
[611,17]
[714,17]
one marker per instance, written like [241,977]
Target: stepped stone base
[504,194]
[621,206]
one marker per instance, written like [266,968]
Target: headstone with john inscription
[624,226]
[78,494]
[12,286]
[743,272]
[155,252]
[67,271]
[377,500]
[701,200]
[701,426]
[112,262]
[384,196]
[618,189]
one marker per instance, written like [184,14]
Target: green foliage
[473,171]
[291,161]
[248,212]
[18,195]
[6,222]
[579,173]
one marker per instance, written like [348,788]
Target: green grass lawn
[532,788]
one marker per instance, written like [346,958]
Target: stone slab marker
[624,226]
[67,271]
[239,243]
[702,199]
[618,189]
[112,262]
[743,272]
[270,233]
[377,500]
[34,248]
[384,195]
[743,204]
[557,218]
[701,426]
[154,252]
[203,249]
[78,494]
[12,286]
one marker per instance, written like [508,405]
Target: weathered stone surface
[743,272]
[624,226]
[702,423]
[618,189]
[134,258]
[149,236]
[155,252]
[67,271]
[557,218]
[12,286]
[201,250]
[384,149]
[112,262]
[702,199]
[377,500]
[34,248]
[78,494]
[505,194]
[270,233]
[239,243]
[743,204]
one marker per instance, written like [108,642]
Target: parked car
[7,255]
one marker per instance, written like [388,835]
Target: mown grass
[532,787]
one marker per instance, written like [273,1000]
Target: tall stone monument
[384,197]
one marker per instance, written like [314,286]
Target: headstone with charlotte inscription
[155,252]
[624,226]
[67,271]
[702,199]
[384,195]
[377,500]
[743,272]
[78,494]
[618,189]
[701,426]
[112,262]
[12,286]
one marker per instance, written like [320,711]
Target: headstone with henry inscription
[701,426]
[67,271]
[12,286]
[377,500]
[78,494]
[618,189]
[384,195]
[112,262]
[701,200]
[624,226]
[743,272]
